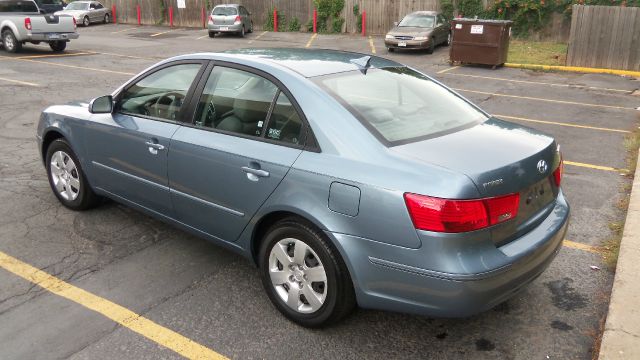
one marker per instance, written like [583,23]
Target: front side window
[236,101]
[399,104]
[161,94]
[422,21]
[225,11]
[92,6]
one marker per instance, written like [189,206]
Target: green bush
[446,7]
[329,10]
[294,24]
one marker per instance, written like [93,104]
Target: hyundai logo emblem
[542,166]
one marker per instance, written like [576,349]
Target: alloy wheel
[65,176]
[298,275]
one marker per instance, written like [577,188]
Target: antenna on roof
[362,63]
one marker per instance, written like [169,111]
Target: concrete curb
[621,338]
[635,74]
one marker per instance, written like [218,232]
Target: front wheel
[432,46]
[10,43]
[304,275]
[58,46]
[66,178]
[107,19]
[448,41]
[85,21]
[390,49]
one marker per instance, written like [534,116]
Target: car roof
[232,5]
[424,13]
[306,62]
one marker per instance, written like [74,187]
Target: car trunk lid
[500,158]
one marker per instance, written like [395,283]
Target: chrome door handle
[256,172]
[155,145]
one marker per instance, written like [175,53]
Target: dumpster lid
[482,21]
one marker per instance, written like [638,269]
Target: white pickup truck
[21,22]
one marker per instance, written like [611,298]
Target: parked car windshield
[400,105]
[423,21]
[77,6]
[225,10]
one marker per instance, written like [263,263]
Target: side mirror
[101,105]
[395,23]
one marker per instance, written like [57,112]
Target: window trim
[306,132]
[184,110]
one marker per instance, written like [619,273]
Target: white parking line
[123,30]
[164,32]
[19,82]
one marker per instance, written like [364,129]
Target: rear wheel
[107,19]
[390,49]
[85,21]
[303,274]
[212,34]
[242,32]
[67,179]
[10,43]
[58,46]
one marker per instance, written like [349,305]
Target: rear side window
[18,6]
[225,10]
[285,123]
[400,105]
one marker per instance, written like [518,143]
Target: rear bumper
[225,28]
[382,281]
[48,36]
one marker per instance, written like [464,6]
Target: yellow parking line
[52,55]
[447,69]
[561,124]
[532,82]
[19,82]
[590,166]
[258,37]
[373,47]
[69,66]
[547,100]
[580,246]
[123,30]
[160,33]
[311,40]
[121,315]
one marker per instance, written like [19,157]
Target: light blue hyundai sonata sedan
[347,179]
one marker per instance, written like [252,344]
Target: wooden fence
[380,13]
[605,37]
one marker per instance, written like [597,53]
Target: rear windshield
[51,2]
[424,21]
[399,105]
[18,6]
[77,6]
[225,10]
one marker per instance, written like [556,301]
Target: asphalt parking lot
[214,298]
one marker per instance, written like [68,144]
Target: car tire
[448,41]
[107,19]
[212,34]
[10,43]
[86,21]
[67,179]
[333,292]
[251,28]
[432,46]
[390,49]
[58,46]
[242,32]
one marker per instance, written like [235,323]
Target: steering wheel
[166,104]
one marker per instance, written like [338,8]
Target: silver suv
[230,18]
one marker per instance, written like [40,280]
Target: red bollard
[113,14]
[171,16]
[315,21]
[203,17]
[138,13]
[275,20]
[364,23]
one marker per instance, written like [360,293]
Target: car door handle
[153,145]
[256,172]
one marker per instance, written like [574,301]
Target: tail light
[455,216]
[557,173]
[75,24]
[237,20]
[27,23]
